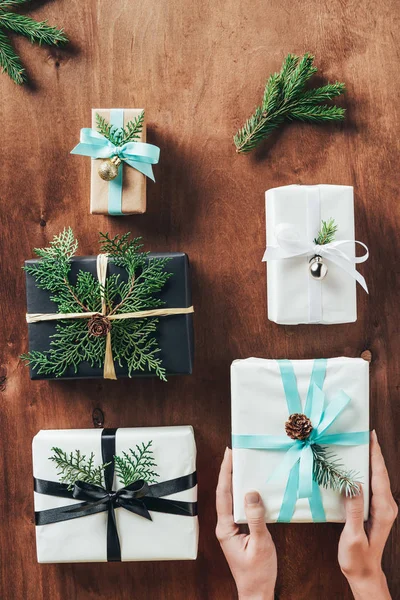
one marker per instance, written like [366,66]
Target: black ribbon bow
[138,498]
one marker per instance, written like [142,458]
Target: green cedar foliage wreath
[133,342]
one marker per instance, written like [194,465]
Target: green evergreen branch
[130,467]
[75,466]
[133,341]
[9,60]
[35,31]
[121,135]
[285,98]
[327,233]
[136,464]
[330,473]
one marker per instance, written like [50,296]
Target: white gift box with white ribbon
[259,410]
[169,535]
[294,215]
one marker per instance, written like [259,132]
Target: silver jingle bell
[318,269]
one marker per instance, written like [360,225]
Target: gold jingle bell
[108,168]
[318,269]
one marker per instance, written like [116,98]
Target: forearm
[370,588]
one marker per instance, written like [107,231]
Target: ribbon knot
[290,244]
[139,155]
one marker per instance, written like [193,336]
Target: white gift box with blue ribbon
[294,214]
[334,394]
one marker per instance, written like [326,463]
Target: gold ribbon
[102,261]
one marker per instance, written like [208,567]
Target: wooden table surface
[198,67]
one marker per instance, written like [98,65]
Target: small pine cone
[99,326]
[298,426]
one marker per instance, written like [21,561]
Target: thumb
[255,514]
[355,513]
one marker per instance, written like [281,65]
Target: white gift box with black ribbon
[294,215]
[109,522]
[260,390]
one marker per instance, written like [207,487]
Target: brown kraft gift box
[133,182]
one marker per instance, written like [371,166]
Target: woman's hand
[360,551]
[251,558]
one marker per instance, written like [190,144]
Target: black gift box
[174,333]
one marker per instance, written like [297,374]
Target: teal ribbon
[298,463]
[138,155]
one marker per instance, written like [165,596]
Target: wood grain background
[198,67]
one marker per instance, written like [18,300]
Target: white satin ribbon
[291,244]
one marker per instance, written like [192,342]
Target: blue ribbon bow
[139,155]
[298,462]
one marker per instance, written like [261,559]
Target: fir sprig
[136,464]
[130,467]
[35,31]
[133,340]
[121,135]
[285,98]
[76,466]
[327,233]
[329,472]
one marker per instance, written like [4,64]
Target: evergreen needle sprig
[133,341]
[36,31]
[120,135]
[287,99]
[330,473]
[130,467]
[327,233]
[76,466]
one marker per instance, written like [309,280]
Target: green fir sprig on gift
[133,340]
[136,464]
[76,466]
[327,233]
[130,467]
[121,135]
[287,99]
[329,472]
[36,31]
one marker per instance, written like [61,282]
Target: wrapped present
[122,160]
[123,313]
[126,494]
[300,436]
[311,256]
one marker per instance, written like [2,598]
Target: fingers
[354,507]
[255,514]
[380,483]
[383,507]
[225,525]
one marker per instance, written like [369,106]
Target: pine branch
[6,4]
[285,98]
[136,464]
[330,473]
[9,61]
[36,31]
[327,233]
[75,466]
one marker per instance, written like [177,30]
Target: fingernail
[226,451]
[374,436]
[252,498]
